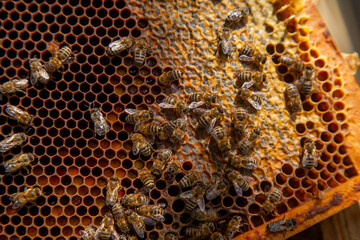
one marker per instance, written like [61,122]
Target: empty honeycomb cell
[331,148]
[282,69]
[327,86]
[313,174]
[338,94]
[340,178]
[327,117]
[287,192]
[306,183]
[287,169]
[316,97]
[300,128]
[294,183]
[350,172]
[325,174]
[345,127]
[347,161]
[325,136]
[332,183]
[333,127]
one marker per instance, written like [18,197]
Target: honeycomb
[73,165]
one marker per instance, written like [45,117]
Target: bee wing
[44,73]
[166,105]
[135,149]
[201,203]
[138,230]
[195,104]
[11,166]
[260,94]
[18,204]
[148,221]
[213,134]
[303,160]
[256,105]
[11,111]
[187,194]
[131,111]
[246,58]
[111,197]
[201,110]
[248,84]
[238,189]
[138,126]
[211,125]
[212,192]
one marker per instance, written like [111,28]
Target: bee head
[293,221]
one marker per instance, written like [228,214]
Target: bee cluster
[159,132]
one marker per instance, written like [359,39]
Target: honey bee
[307,80]
[170,102]
[239,182]
[100,125]
[148,129]
[151,211]
[18,162]
[254,98]
[247,145]
[59,58]
[294,63]
[189,179]
[205,216]
[120,218]
[28,196]
[237,15]
[19,115]
[194,198]
[135,200]
[140,144]
[217,236]
[106,229]
[200,98]
[139,116]
[222,140]
[209,117]
[167,77]
[112,188]
[224,47]
[38,72]
[238,162]
[140,49]
[173,168]
[271,201]
[246,79]
[233,226]
[88,233]
[161,159]
[247,54]
[147,179]
[217,189]
[175,130]
[120,45]
[286,224]
[171,236]
[309,154]
[12,141]
[200,232]
[138,222]
[12,86]
[240,120]
[294,101]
